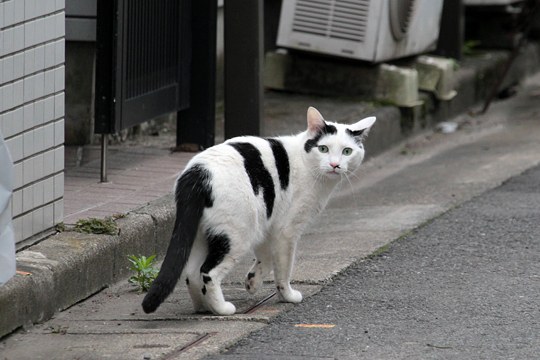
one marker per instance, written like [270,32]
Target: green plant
[145,273]
[470,47]
[60,227]
[118,216]
[97,226]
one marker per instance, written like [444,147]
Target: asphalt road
[464,286]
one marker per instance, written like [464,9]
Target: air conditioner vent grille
[338,19]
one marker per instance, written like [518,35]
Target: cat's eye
[347,151]
[323,148]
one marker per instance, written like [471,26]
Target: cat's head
[333,149]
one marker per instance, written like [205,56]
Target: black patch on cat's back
[218,246]
[282,162]
[326,130]
[258,175]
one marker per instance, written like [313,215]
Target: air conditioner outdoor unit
[372,30]
[489,2]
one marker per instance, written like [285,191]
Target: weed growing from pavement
[145,273]
[60,227]
[97,226]
[379,252]
[470,47]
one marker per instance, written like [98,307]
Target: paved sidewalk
[136,177]
[395,193]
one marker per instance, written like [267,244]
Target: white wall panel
[32,76]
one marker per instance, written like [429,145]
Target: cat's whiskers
[320,178]
[346,175]
[317,174]
[355,175]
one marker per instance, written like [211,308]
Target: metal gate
[159,56]
[142,62]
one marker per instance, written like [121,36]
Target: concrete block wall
[32,47]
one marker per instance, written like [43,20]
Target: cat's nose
[334,165]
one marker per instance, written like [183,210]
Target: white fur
[242,216]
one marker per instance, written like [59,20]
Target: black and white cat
[253,194]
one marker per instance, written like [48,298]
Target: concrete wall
[32,76]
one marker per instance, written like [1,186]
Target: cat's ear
[360,129]
[315,121]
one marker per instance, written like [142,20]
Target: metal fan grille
[400,17]
[337,19]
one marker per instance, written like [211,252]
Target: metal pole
[451,30]
[104,145]
[196,124]
[243,66]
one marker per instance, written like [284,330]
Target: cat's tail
[193,193]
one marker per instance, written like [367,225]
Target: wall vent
[336,19]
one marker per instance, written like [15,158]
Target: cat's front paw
[289,295]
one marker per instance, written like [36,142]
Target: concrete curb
[69,267]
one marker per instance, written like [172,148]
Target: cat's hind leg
[194,284]
[222,256]
[261,268]
[193,276]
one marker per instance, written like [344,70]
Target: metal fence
[141,52]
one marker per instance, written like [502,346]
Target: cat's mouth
[333,173]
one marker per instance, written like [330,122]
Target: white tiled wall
[32,45]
